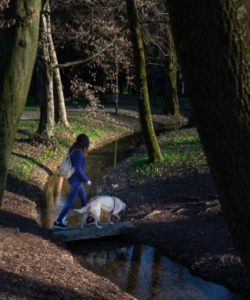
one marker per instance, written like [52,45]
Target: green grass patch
[28,126]
[22,167]
[29,152]
[66,136]
[183,150]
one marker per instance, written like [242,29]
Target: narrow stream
[138,269]
[142,271]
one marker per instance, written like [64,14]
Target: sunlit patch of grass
[30,125]
[46,154]
[22,168]
[66,136]
[30,153]
[26,128]
[94,131]
[180,150]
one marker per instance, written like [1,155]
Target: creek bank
[33,265]
[180,215]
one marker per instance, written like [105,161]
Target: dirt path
[35,114]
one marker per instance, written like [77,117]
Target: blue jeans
[75,189]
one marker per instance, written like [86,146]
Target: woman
[78,152]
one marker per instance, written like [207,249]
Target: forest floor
[182,208]
[33,265]
[179,214]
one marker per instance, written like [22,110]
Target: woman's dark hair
[82,142]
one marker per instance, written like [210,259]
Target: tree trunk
[46,125]
[60,107]
[153,148]
[18,46]
[171,101]
[60,115]
[116,81]
[213,43]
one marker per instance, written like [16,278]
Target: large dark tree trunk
[153,148]
[212,41]
[18,46]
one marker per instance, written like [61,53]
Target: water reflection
[143,272]
[115,153]
[49,203]
[134,269]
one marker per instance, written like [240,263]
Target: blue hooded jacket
[78,162]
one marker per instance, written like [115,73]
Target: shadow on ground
[23,188]
[14,285]
[32,160]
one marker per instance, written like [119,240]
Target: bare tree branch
[83,61]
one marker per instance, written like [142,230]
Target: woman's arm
[78,162]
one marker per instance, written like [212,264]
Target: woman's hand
[89,183]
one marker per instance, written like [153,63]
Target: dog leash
[113,206]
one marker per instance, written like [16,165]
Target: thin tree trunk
[213,44]
[61,115]
[171,101]
[116,81]
[153,148]
[46,125]
[18,47]
[61,109]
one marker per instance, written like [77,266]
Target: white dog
[97,204]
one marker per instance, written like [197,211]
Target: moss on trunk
[18,46]
[171,100]
[153,148]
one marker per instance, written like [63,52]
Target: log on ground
[74,233]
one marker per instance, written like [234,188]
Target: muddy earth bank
[180,215]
